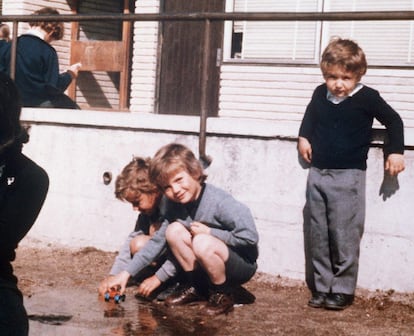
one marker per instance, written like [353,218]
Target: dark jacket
[37,70]
[23,188]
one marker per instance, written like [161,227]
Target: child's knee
[203,245]
[137,243]
[175,231]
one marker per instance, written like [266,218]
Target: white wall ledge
[220,126]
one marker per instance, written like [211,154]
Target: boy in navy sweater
[334,139]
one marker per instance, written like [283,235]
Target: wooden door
[182,53]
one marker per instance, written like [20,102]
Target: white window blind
[384,42]
[290,40]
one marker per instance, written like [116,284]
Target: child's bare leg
[179,240]
[212,254]
[137,243]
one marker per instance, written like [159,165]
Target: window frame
[322,36]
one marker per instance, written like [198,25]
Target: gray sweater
[154,249]
[229,220]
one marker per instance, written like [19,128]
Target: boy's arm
[305,149]
[235,215]
[392,121]
[141,259]
[165,272]
[124,255]
[394,162]
[152,249]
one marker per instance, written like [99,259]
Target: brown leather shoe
[219,303]
[183,295]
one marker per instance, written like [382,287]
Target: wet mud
[60,293]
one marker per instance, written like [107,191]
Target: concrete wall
[255,160]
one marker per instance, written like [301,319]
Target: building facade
[260,79]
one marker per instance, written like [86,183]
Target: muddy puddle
[76,312]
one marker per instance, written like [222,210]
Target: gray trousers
[334,218]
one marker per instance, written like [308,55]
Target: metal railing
[207,17]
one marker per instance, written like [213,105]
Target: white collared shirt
[336,100]
[37,32]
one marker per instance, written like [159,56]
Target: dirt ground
[280,307]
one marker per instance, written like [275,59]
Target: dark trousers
[13,316]
[60,101]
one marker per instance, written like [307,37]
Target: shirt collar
[36,32]
[336,100]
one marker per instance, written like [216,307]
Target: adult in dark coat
[37,66]
[23,188]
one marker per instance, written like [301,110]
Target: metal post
[204,158]
[13,51]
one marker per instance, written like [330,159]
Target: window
[384,42]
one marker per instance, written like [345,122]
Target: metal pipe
[13,50]
[257,16]
[204,158]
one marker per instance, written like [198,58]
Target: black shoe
[166,291]
[183,295]
[242,296]
[219,303]
[317,300]
[338,301]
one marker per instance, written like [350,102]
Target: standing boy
[216,243]
[334,139]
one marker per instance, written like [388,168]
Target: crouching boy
[216,243]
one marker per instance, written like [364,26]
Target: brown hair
[134,177]
[5,31]
[346,54]
[171,159]
[54,27]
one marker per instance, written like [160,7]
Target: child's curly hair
[346,54]
[54,27]
[135,177]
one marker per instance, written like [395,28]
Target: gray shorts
[238,269]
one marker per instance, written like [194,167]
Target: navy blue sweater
[340,134]
[37,70]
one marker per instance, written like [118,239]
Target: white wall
[255,160]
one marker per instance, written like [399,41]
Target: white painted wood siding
[144,60]
[282,93]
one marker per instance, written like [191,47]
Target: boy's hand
[197,227]
[120,280]
[148,285]
[74,69]
[103,286]
[305,149]
[394,164]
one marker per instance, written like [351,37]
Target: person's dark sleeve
[21,205]
[307,125]
[392,121]
[57,82]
